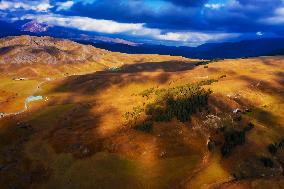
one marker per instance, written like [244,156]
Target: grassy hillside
[149,122]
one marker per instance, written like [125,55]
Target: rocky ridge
[47,50]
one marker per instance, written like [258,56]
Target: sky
[177,22]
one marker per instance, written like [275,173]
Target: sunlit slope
[27,61]
[121,128]
[30,56]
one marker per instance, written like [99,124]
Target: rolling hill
[106,119]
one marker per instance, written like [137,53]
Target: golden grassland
[79,138]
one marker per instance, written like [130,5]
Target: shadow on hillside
[166,66]
[68,127]
[77,130]
[4,50]
[273,87]
[139,73]
[272,61]
[280,78]
[93,84]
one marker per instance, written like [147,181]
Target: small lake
[33,98]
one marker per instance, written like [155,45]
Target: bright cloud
[64,5]
[40,6]
[277,18]
[214,6]
[195,37]
[85,23]
[134,29]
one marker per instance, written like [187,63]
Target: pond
[33,98]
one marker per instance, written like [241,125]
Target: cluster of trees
[248,127]
[233,138]
[208,61]
[207,82]
[179,102]
[146,126]
[148,92]
[202,63]
[273,148]
[267,162]
[211,145]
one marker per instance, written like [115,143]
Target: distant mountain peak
[35,27]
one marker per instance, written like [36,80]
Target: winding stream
[27,101]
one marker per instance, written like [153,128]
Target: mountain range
[240,49]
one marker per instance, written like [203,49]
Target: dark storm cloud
[166,16]
[232,16]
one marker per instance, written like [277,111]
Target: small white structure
[20,79]
[2,115]
[235,111]
[48,79]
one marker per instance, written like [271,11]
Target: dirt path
[207,160]
[26,103]
[204,164]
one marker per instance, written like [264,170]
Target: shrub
[211,145]
[132,117]
[223,76]
[216,59]
[207,82]
[146,126]
[281,144]
[202,63]
[231,140]
[267,162]
[249,127]
[147,92]
[272,149]
[238,118]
